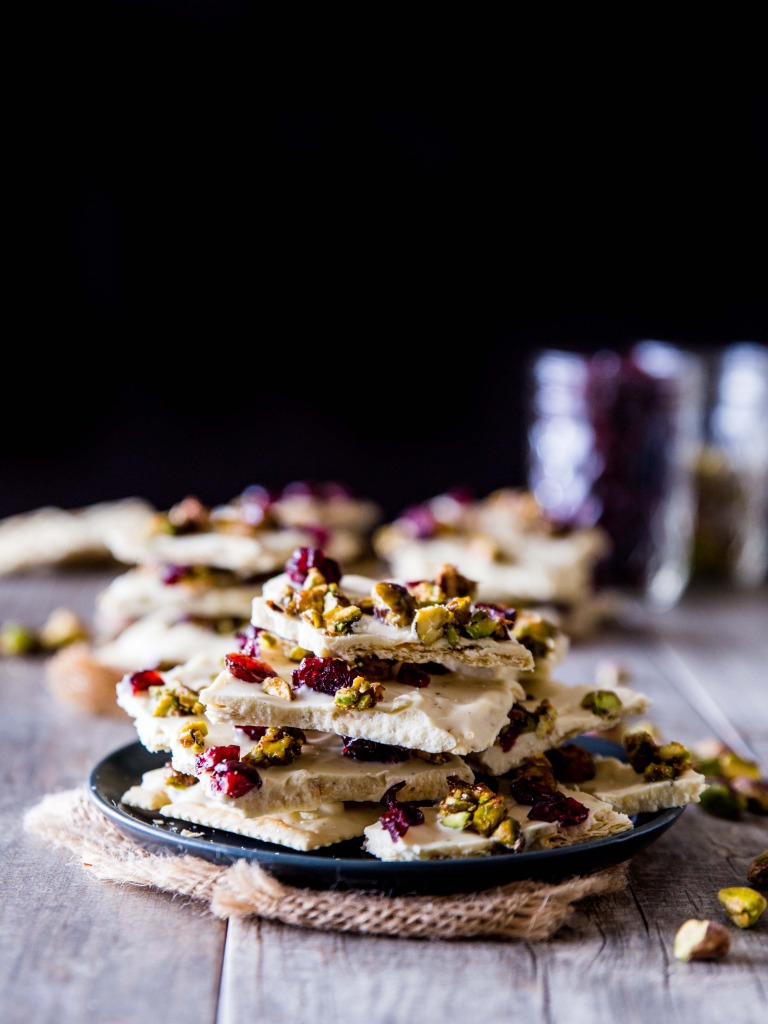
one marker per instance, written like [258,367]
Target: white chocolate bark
[432,840]
[161,640]
[141,591]
[371,636]
[571,720]
[52,535]
[457,713]
[627,791]
[297,829]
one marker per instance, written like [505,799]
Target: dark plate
[346,865]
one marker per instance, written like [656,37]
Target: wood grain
[73,949]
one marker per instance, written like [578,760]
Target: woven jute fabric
[528,909]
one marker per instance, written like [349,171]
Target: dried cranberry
[213,755]
[556,806]
[253,732]
[248,669]
[248,639]
[143,680]
[326,675]
[173,574]
[254,505]
[527,791]
[421,521]
[399,817]
[305,558]
[411,675]
[370,750]
[234,778]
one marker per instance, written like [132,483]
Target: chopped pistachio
[177,779]
[425,593]
[430,623]
[536,633]
[453,583]
[393,604]
[277,687]
[62,627]
[753,791]
[180,700]
[743,905]
[361,695]
[296,653]
[192,735]
[757,872]
[17,639]
[473,807]
[701,940]
[601,702]
[341,619]
[458,819]
[269,640]
[509,833]
[461,611]
[481,625]
[276,747]
[719,800]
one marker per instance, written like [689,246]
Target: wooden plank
[73,948]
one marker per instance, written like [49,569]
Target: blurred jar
[731,538]
[613,440]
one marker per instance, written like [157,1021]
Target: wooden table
[73,949]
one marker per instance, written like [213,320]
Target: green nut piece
[393,604]
[510,834]
[701,940]
[276,747]
[753,791]
[720,801]
[480,625]
[757,872]
[425,593]
[62,627]
[536,633]
[732,766]
[16,639]
[296,653]
[177,779]
[341,619]
[459,819]
[601,702]
[430,623]
[361,695]
[744,906]
[192,735]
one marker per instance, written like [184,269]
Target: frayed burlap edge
[526,909]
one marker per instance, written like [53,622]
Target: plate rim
[362,865]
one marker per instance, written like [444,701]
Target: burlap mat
[527,910]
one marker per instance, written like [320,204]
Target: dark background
[249,256]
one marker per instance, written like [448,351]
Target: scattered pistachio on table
[735,784]
[743,905]
[701,940]
[757,872]
[62,627]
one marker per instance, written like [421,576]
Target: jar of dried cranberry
[613,438]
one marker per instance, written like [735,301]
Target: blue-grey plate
[346,865]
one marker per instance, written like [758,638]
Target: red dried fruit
[247,668]
[173,574]
[140,681]
[234,778]
[326,675]
[370,750]
[253,732]
[399,817]
[556,806]
[421,521]
[248,638]
[411,675]
[209,758]
[304,559]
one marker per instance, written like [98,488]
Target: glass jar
[612,441]
[731,538]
